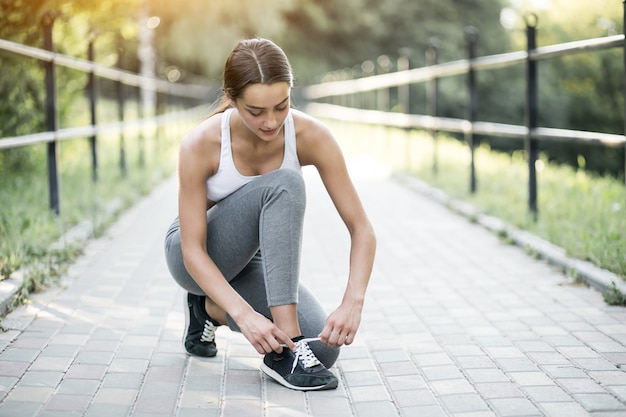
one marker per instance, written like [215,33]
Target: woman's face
[263,108]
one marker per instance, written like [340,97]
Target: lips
[269,132]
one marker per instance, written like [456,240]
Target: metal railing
[53,135]
[340,91]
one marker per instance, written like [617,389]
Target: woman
[235,247]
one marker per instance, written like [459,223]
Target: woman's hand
[263,335]
[342,325]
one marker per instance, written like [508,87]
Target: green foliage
[614,297]
[346,35]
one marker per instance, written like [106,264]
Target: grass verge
[579,211]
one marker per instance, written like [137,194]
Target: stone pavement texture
[456,323]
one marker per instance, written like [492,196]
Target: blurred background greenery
[194,37]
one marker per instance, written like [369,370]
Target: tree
[326,35]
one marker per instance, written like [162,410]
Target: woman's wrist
[353,300]
[240,311]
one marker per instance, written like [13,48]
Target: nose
[271,121]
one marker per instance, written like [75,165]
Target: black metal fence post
[532,143]
[140,137]
[92,109]
[120,112]
[624,54]
[432,95]
[51,114]
[403,64]
[471,34]
[383,95]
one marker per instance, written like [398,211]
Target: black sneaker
[299,370]
[199,337]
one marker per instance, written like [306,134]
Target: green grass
[28,229]
[577,210]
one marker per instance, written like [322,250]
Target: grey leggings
[254,237]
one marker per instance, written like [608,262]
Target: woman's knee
[288,180]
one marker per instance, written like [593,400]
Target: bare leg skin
[214,311]
[286,319]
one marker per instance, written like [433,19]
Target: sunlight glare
[153,22]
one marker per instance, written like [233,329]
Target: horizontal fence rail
[161,91]
[339,92]
[403,120]
[460,67]
[85,131]
[113,74]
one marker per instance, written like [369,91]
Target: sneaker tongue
[305,355]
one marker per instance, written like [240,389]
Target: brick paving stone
[462,403]
[78,387]
[547,394]
[19,408]
[452,386]
[200,399]
[362,378]
[456,324]
[122,380]
[79,371]
[437,373]
[19,355]
[107,410]
[60,351]
[493,390]
[580,385]
[524,379]
[51,363]
[599,402]
[158,405]
[617,377]
[118,396]
[329,405]
[41,379]
[619,391]
[368,393]
[375,409]
[595,364]
[68,403]
[242,408]
[486,375]
[21,393]
[425,410]
[509,407]
[563,371]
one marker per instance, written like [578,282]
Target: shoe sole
[187,321]
[276,377]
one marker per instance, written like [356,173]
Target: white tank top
[227,179]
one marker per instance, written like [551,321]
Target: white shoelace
[208,333]
[305,354]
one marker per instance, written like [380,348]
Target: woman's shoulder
[204,135]
[307,127]
[314,140]
[200,148]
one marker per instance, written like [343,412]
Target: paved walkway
[456,324]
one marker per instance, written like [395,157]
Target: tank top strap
[291,152]
[225,143]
